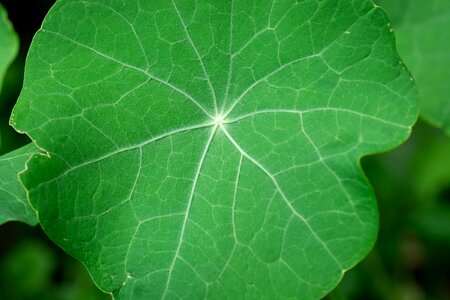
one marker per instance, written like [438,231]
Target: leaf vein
[315,110]
[121,150]
[153,77]
[198,56]
[283,196]
[188,209]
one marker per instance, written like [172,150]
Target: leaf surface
[210,149]
[421,28]
[14,205]
[8,44]
[13,200]
[8,47]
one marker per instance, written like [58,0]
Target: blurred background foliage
[31,266]
[410,261]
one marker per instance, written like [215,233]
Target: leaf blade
[159,197]
[14,202]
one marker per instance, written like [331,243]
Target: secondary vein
[124,149]
[283,196]
[153,77]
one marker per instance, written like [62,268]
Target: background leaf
[413,182]
[8,43]
[13,199]
[8,46]
[33,269]
[421,29]
[409,260]
[211,150]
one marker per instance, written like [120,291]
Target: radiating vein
[230,59]
[188,209]
[279,69]
[213,93]
[283,196]
[121,150]
[153,77]
[315,110]
[282,67]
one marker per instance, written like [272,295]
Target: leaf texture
[14,205]
[210,149]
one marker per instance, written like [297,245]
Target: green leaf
[210,149]
[9,43]
[421,28]
[13,200]
[8,47]
[14,205]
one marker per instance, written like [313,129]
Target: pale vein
[153,77]
[283,196]
[188,209]
[198,56]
